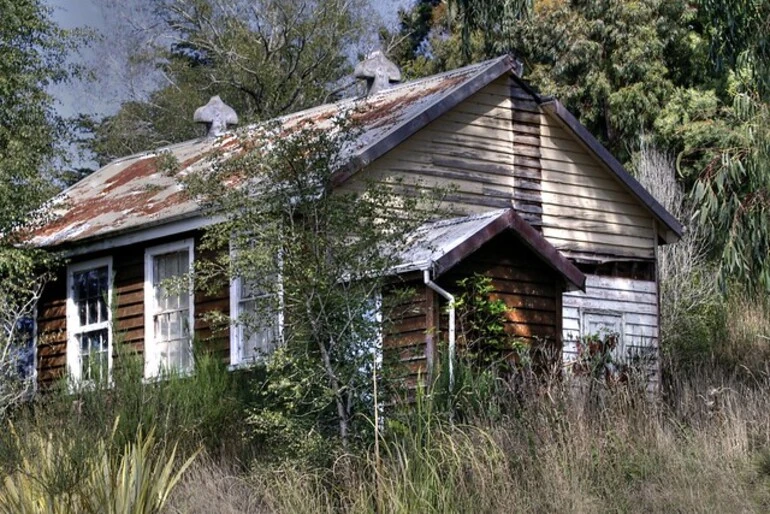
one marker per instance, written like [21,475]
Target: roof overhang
[556,109]
[496,69]
[480,231]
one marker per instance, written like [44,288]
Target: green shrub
[137,480]
[204,409]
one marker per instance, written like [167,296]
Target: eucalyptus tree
[733,189]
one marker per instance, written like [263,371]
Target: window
[89,332]
[26,351]
[168,324]
[603,324]
[257,327]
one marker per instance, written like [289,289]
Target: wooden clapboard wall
[531,290]
[417,323]
[128,332]
[633,304]
[499,149]
[410,310]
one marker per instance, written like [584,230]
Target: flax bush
[137,480]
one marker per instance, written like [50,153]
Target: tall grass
[203,409]
[85,449]
[703,445]
[551,451]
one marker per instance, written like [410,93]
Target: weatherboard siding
[498,149]
[128,312]
[634,303]
[52,331]
[531,290]
[410,309]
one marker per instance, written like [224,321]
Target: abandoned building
[568,237]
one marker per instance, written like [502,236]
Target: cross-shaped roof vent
[217,115]
[378,71]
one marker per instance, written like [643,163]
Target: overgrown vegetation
[306,430]
[33,150]
[333,251]
[511,445]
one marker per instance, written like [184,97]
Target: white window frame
[33,377]
[152,368]
[237,358]
[619,352]
[73,320]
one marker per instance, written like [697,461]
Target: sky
[105,98]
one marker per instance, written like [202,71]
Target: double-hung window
[257,320]
[256,314]
[169,312]
[89,317]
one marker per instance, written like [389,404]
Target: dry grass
[747,334]
[703,451]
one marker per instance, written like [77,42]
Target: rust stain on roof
[131,192]
[380,113]
[81,213]
[142,168]
[156,207]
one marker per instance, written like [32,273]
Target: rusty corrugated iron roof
[440,245]
[132,193]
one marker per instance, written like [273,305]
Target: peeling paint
[131,192]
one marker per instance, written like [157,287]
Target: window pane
[103,309]
[173,308]
[175,354]
[92,308]
[93,283]
[90,290]
[175,327]
[94,354]
[184,261]
[258,327]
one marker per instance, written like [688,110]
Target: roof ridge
[297,114]
[369,98]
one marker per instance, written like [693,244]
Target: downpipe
[451,299]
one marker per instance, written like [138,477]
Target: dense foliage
[33,141]
[264,58]
[332,251]
[34,54]
[686,76]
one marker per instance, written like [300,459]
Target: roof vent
[378,71]
[217,115]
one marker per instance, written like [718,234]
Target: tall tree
[265,58]
[32,137]
[321,255]
[733,189]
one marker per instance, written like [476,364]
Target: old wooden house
[568,237]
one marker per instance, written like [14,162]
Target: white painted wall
[627,306]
